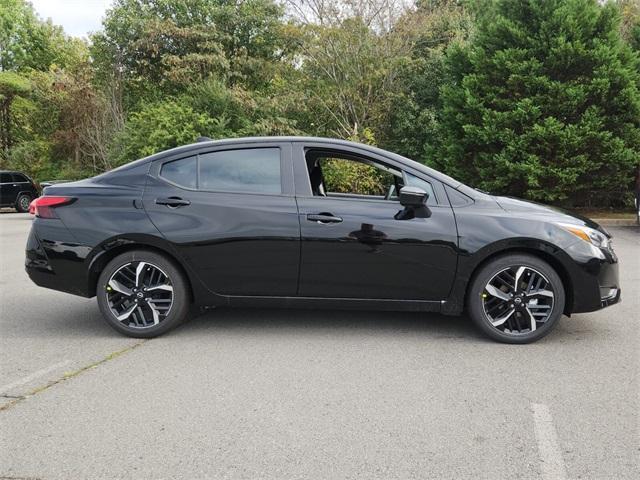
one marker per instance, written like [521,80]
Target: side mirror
[413,197]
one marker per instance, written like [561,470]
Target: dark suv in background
[17,190]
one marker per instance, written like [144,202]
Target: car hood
[554,214]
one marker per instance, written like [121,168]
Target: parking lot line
[553,467]
[24,380]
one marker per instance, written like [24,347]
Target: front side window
[331,174]
[253,170]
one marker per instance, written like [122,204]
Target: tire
[544,303]
[141,296]
[22,202]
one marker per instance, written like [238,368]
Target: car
[17,190]
[273,222]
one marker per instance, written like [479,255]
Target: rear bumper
[56,264]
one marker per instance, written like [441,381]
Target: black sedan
[312,222]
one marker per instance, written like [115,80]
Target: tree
[164,46]
[412,126]
[630,25]
[160,126]
[544,103]
[349,72]
[12,85]
[26,42]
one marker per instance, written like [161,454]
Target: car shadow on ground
[86,321]
[430,326]
[230,319]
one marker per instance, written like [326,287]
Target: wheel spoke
[118,287]
[168,288]
[155,312]
[541,293]
[496,292]
[127,313]
[139,272]
[499,321]
[519,273]
[532,319]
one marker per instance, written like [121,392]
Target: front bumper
[596,283]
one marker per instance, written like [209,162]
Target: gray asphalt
[284,394]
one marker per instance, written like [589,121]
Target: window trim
[226,148]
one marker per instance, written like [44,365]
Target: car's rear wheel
[142,294]
[516,298]
[22,202]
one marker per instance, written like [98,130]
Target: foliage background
[538,99]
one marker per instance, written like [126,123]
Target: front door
[232,216]
[353,245]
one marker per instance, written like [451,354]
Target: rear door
[23,185]
[231,213]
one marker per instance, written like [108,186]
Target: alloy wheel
[24,203]
[139,294]
[518,299]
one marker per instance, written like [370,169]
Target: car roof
[279,139]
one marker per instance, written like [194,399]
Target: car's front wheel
[142,294]
[516,298]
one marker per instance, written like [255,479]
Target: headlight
[594,237]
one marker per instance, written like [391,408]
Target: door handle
[172,201]
[324,218]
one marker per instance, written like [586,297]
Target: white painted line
[553,467]
[33,376]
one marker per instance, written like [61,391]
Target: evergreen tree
[544,103]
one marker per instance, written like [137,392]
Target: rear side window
[183,172]
[5,178]
[254,170]
[18,178]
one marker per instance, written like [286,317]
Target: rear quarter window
[183,172]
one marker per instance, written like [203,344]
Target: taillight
[32,206]
[43,207]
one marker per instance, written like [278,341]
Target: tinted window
[414,181]
[5,178]
[19,178]
[254,170]
[181,172]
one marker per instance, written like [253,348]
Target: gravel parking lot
[312,394]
